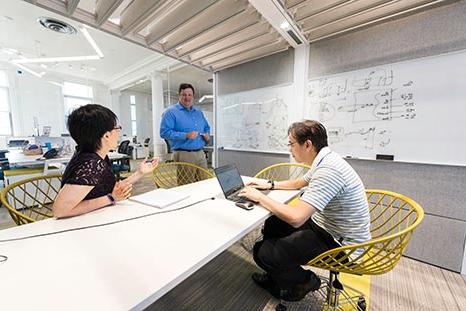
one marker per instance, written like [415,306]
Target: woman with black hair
[88,182]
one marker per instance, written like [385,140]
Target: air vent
[56,25]
[294,36]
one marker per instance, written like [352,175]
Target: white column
[214,127]
[115,102]
[157,110]
[300,73]
[300,76]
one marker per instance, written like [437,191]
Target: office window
[76,95]
[5,112]
[134,124]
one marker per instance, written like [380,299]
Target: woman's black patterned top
[89,169]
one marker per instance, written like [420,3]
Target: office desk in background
[26,166]
[18,158]
[123,266]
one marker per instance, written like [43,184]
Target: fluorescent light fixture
[285,25]
[10,51]
[55,59]
[205,97]
[55,83]
[39,75]
[92,42]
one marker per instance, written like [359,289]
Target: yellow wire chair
[31,199]
[173,174]
[393,220]
[283,171]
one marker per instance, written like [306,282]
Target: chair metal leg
[336,297]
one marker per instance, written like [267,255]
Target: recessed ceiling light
[57,25]
[285,25]
[56,59]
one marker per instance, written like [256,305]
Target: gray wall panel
[438,189]
[431,32]
[439,241]
[272,70]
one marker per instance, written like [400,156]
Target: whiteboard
[415,110]
[255,120]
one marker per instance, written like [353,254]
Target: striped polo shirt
[337,193]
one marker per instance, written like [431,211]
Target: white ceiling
[20,30]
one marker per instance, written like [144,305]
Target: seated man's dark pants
[284,249]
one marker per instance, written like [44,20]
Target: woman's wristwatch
[112,199]
[272,184]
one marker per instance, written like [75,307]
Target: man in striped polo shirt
[331,212]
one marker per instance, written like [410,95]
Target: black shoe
[299,291]
[264,281]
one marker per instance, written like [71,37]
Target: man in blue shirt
[186,128]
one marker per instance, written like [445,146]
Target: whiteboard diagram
[357,109]
[254,120]
[395,109]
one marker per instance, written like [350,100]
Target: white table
[18,158]
[122,266]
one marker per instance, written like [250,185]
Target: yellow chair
[173,174]
[393,220]
[283,171]
[31,199]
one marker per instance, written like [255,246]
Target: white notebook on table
[160,198]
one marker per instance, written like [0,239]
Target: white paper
[160,198]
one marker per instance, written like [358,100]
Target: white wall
[35,97]
[143,114]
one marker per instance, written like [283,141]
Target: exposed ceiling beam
[139,12]
[355,10]
[256,42]
[215,15]
[104,9]
[266,51]
[303,17]
[277,16]
[71,6]
[183,10]
[373,21]
[292,4]
[247,54]
[239,37]
[231,24]
[209,17]
[236,23]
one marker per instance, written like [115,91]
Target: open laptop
[231,183]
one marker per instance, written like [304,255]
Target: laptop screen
[229,179]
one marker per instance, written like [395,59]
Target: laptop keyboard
[236,198]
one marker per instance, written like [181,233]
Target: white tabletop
[127,265]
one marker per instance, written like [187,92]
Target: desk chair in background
[283,171]
[169,156]
[146,147]
[173,174]
[393,220]
[122,165]
[31,199]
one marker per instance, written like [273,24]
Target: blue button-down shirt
[177,121]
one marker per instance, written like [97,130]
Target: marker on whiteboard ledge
[351,157]
[389,157]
